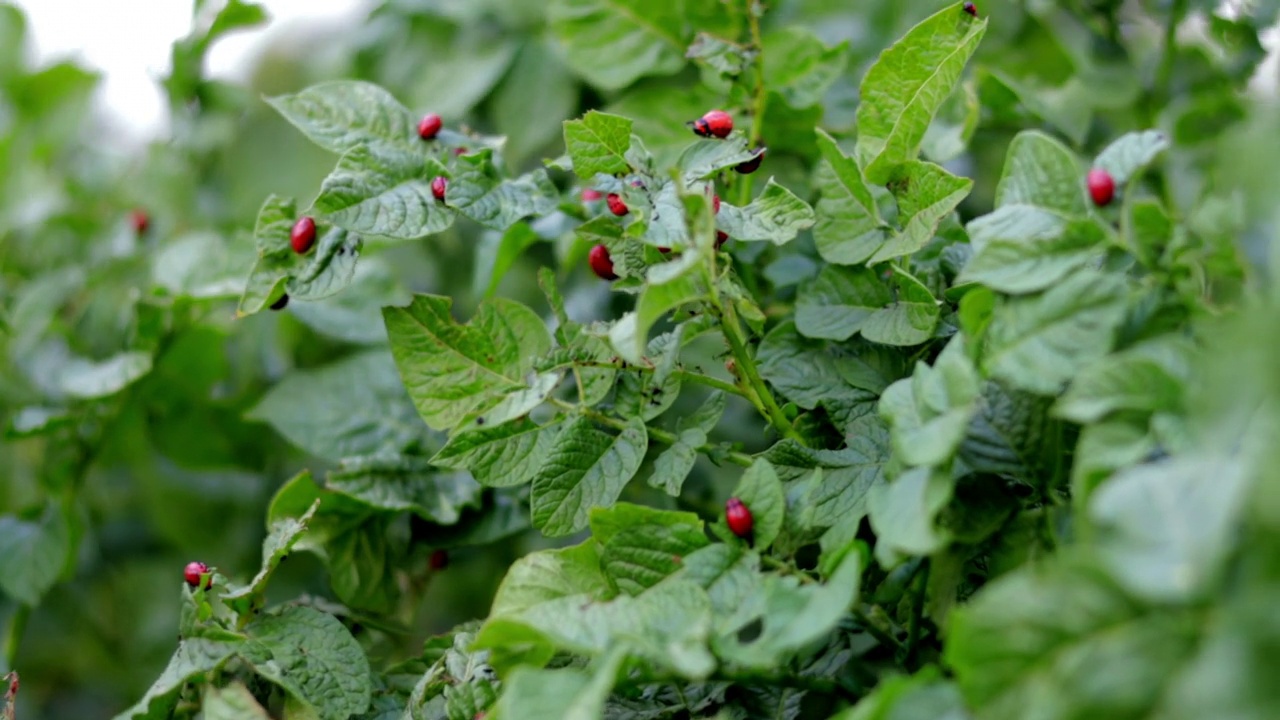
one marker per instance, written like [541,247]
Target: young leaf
[343,115]
[452,370]
[848,227]
[930,412]
[1042,172]
[281,537]
[586,468]
[598,144]
[630,334]
[1131,152]
[926,194]
[904,514]
[385,191]
[907,84]
[641,546]
[776,215]
[503,456]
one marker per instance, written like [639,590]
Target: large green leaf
[384,191]
[478,191]
[776,215]
[926,194]
[640,546]
[611,43]
[585,468]
[848,227]
[313,658]
[547,575]
[342,115]
[800,66]
[194,657]
[1038,343]
[835,304]
[502,456]
[397,482]
[907,84]
[904,514]
[598,144]
[453,370]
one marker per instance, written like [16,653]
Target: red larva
[738,517]
[140,221]
[429,126]
[601,263]
[438,186]
[715,204]
[616,206]
[194,571]
[971,9]
[459,151]
[303,235]
[750,166]
[716,123]
[722,237]
[1102,187]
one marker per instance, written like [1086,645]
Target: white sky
[129,40]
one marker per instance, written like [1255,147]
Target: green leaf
[381,190]
[807,372]
[232,702]
[848,227]
[33,553]
[1031,249]
[282,535]
[1042,172]
[312,657]
[911,320]
[776,215]
[795,616]
[497,254]
[527,106]
[1038,343]
[612,43]
[641,546]
[598,144]
[323,272]
[1009,434]
[453,371]
[397,482]
[342,115]
[953,126]
[907,85]
[1106,447]
[904,514]
[630,334]
[929,413]
[548,575]
[903,697]
[1177,554]
[194,657]
[761,491]
[1061,640]
[723,56]
[707,157]
[586,468]
[800,66]
[835,305]
[673,466]
[356,406]
[481,193]
[926,194]
[1148,378]
[87,379]
[564,694]
[1131,152]
[503,456]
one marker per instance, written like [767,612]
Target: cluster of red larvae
[714,124]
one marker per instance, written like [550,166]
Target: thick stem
[749,373]
[917,618]
[875,631]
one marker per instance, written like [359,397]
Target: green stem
[789,569]
[759,100]
[13,640]
[658,434]
[765,401]
[1158,94]
[917,617]
[875,631]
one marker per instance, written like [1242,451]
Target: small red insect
[715,204]
[616,206]
[738,517]
[140,221]
[716,123]
[282,303]
[439,559]
[429,126]
[971,9]
[722,237]
[438,186]
[194,571]
[303,235]
[750,166]
[1102,187]
[459,151]
[589,195]
[601,263]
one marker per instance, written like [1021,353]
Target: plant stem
[917,617]
[13,640]
[759,99]
[874,630]
[1158,94]
[765,401]
[658,434]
